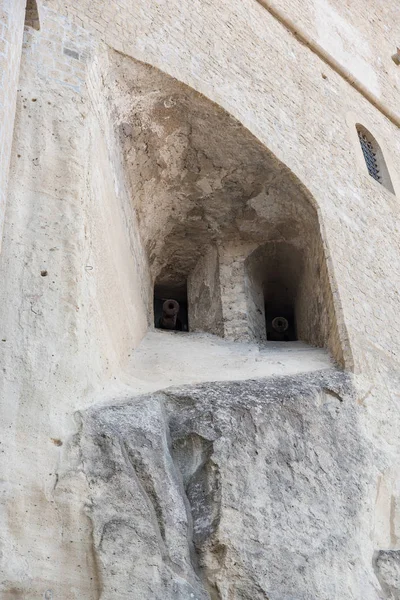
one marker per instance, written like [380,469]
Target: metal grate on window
[370,156]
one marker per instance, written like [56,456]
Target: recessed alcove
[171,308]
[220,216]
[286,292]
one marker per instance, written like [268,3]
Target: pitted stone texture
[65,337]
[11,30]
[249,490]
[387,564]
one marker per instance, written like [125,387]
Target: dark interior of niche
[276,274]
[165,293]
[280,305]
[281,281]
[280,321]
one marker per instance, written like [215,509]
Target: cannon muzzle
[170,312]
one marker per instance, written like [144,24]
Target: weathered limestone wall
[250,489]
[204,295]
[301,109]
[72,307]
[233,291]
[255,310]
[360,35]
[12,16]
[315,310]
[76,295]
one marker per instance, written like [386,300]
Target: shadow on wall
[288,295]
[229,231]
[32,15]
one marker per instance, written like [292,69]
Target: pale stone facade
[208,150]
[12,15]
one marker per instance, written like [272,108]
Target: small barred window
[369,152]
[374,159]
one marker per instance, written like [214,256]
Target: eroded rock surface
[387,564]
[239,490]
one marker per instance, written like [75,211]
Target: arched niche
[32,15]
[209,197]
[288,291]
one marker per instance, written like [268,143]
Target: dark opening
[276,281]
[32,15]
[171,308]
[280,322]
[279,289]
[288,292]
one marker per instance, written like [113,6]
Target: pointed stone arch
[32,15]
[216,209]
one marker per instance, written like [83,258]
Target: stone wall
[204,295]
[300,112]
[255,310]
[12,16]
[83,243]
[359,35]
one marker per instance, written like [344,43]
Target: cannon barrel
[170,312]
[280,324]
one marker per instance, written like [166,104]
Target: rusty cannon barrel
[170,312]
[280,324]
